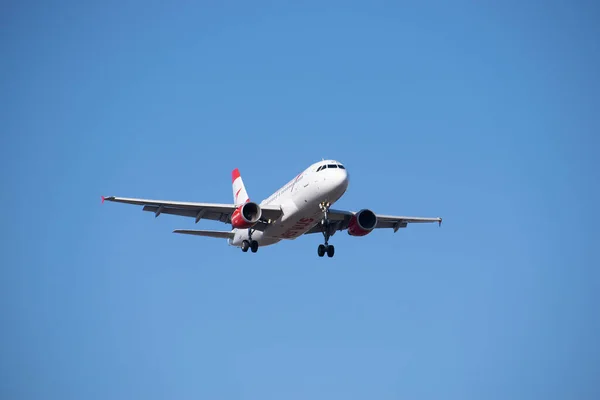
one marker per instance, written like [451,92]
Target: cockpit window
[322,167]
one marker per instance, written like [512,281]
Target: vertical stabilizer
[240,196]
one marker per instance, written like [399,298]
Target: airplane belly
[294,227]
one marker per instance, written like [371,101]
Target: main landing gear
[326,228]
[250,244]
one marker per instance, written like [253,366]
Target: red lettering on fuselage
[298,227]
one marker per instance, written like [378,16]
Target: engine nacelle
[246,215]
[362,223]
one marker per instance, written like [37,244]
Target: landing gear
[326,228]
[249,244]
[245,246]
[323,248]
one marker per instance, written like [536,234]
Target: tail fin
[240,196]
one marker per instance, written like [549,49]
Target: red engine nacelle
[246,215]
[362,223]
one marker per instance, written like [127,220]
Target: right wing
[396,222]
[212,211]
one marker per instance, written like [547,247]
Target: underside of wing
[215,234]
[222,214]
[198,211]
[397,222]
[365,220]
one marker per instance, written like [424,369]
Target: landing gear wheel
[321,250]
[330,251]
[254,246]
[245,246]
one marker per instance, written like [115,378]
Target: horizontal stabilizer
[215,234]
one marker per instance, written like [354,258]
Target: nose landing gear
[326,229]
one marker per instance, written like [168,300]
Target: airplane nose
[344,178]
[335,183]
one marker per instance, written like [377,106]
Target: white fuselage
[300,201]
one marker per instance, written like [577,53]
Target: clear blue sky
[485,115]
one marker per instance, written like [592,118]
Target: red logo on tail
[235,174]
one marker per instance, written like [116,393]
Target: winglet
[440,222]
[102,199]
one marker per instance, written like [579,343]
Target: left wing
[215,234]
[340,219]
[212,211]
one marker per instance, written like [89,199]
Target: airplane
[300,207]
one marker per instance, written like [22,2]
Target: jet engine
[246,215]
[362,223]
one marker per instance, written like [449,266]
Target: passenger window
[331,166]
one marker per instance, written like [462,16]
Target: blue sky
[482,114]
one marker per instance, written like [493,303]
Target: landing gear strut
[250,244]
[326,229]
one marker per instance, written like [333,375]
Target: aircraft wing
[340,219]
[215,234]
[198,211]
